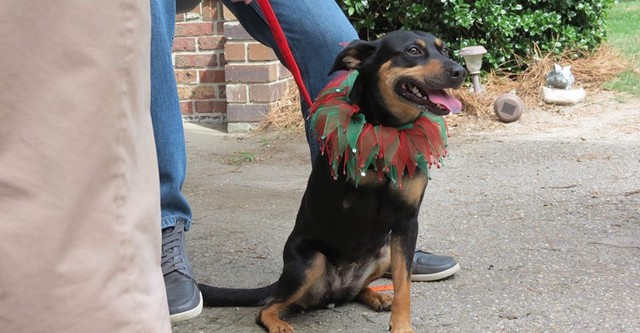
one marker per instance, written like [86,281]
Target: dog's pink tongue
[442,98]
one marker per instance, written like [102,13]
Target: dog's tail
[220,297]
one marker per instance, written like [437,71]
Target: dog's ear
[353,55]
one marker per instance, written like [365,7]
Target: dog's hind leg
[296,279]
[378,302]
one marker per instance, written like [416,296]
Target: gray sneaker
[431,267]
[185,300]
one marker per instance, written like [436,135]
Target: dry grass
[591,71]
[286,114]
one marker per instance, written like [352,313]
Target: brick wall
[199,63]
[223,75]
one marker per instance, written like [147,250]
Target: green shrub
[505,28]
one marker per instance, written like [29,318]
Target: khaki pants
[79,193]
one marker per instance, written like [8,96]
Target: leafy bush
[505,28]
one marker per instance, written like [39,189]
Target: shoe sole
[186,315]
[431,277]
[436,276]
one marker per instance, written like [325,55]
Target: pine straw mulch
[286,113]
[591,71]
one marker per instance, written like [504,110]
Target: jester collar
[392,152]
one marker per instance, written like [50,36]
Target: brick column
[224,75]
[198,50]
[254,76]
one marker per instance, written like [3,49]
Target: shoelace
[172,253]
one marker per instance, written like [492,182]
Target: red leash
[283,45]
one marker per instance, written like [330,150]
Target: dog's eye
[445,50]
[414,51]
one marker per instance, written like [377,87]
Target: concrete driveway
[542,214]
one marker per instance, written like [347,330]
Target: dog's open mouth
[434,101]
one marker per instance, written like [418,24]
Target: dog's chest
[408,193]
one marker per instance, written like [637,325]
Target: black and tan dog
[348,231]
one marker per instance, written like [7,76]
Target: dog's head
[401,75]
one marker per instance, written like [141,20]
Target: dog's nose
[457,72]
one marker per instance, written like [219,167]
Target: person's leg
[316,31]
[78,188]
[166,117]
[183,296]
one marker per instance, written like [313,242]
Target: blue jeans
[314,31]
[166,116]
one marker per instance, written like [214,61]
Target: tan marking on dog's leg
[382,265]
[270,318]
[377,301]
[401,306]
[270,315]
